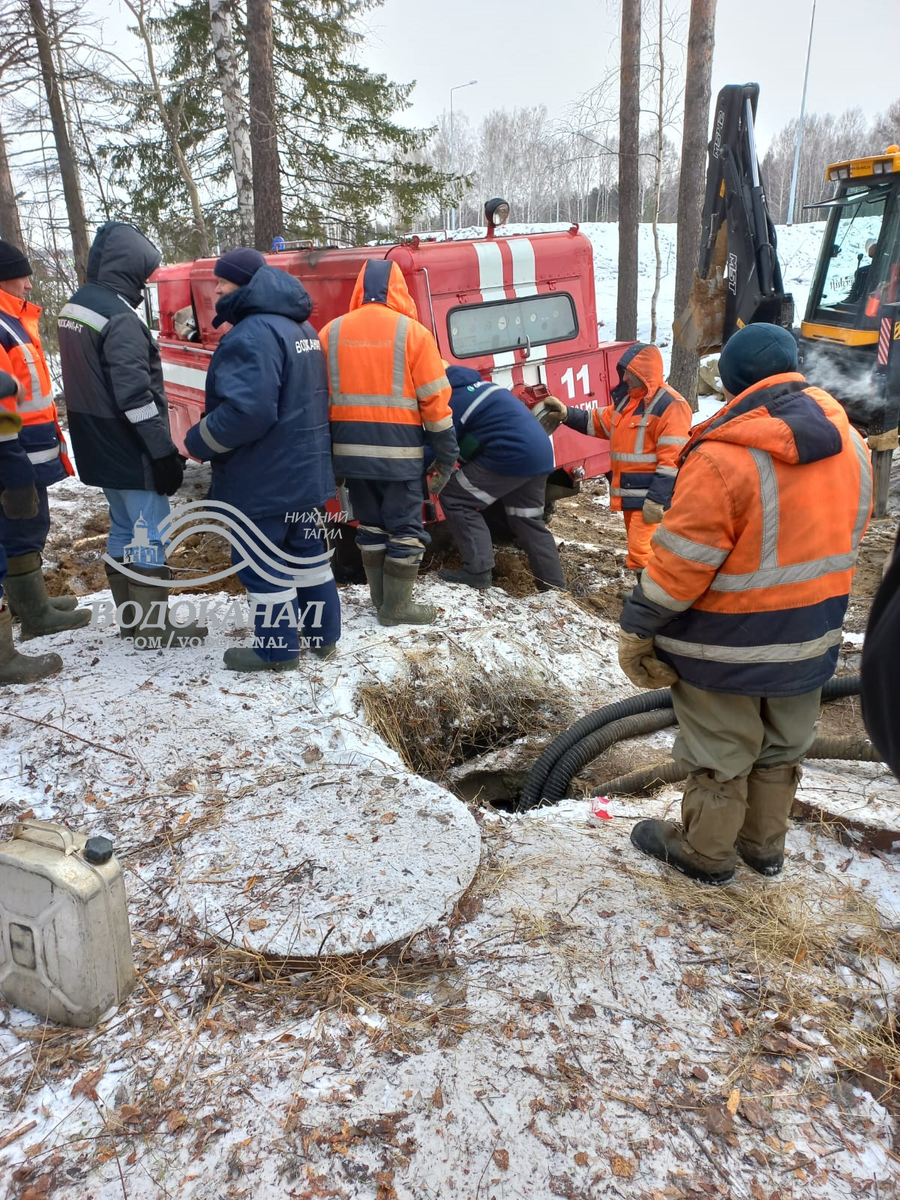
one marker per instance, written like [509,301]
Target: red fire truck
[518,308]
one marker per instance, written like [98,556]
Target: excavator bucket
[699,327]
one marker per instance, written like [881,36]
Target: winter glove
[168,474]
[652,512]
[20,503]
[638,660]
[551,413]
[439,478]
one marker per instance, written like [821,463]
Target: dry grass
[444,711]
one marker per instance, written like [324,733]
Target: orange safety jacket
[22,357]
[388,390]
[750,573]
[647,429]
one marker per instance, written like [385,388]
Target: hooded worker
[119,422]
[647,426]
[506,456]
[24,535]
[389,396]
[741,604]
[266,433]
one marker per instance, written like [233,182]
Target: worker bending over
[506,456]
[389,396]
[741,605]
[647,426]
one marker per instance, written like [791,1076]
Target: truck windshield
[848,271]
[511,324]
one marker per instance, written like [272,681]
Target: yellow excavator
[849,339]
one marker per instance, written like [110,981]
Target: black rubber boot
[473,579]
[118,585]
[398,608]
[244,658]
[769,865]
[663,840]
[148,596]
[22,668]
[27,593]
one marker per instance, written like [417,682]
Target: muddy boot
[373,565]
[118,585]
[329,650]
[474,579]
[22,668]
[243,658]
[770,794]
[28,595]
[665,841]
[152,599]
[398,608]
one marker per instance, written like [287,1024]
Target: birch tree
[222,34]
[629,172]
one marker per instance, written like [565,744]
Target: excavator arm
[738,278]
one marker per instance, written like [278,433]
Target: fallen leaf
[387,818]
[175,1120]
[249,884]
[584,1012]
[621,1167]
[699,1073]
[719,1119]
[437,1097]
[501,1158]
[734,1099]
[662,931]
[753,1111]
[159,1085]
[184,819]
[256,923]
[311,754]
[129,1113]
[87,1084]
[738,1026]
[581,1158]
[694,979]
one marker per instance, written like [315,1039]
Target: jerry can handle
[22,829]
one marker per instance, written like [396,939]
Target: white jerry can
[65,942]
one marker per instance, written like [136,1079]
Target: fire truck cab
[518,308]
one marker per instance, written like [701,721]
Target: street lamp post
[790,211]
[453,214]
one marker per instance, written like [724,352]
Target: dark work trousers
[28,536]
[389,513]
[301,599]
[471,490]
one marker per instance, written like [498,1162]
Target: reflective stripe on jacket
[22,356]
[647,430]
[750,575]
[388,390]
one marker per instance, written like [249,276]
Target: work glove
[20,503]
[638,660]
[168,474]
[652,512]
[439,478]
[551,413]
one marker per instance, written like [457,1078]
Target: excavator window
[852,263]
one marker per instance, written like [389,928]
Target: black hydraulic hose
[852,749]
[566,746]
[533,788]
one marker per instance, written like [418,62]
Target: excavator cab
[850,337]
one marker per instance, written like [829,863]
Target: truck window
[477,329]
[151,306]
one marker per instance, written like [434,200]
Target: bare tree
[268,211]
[67,164]
[221,23]
[10,225]
[629,170]
[701,39]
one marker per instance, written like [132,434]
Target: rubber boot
[328,650]
[118,585]
[474,579]
[148,596]
[398,609]
[244,658]
[770,794]
[373,565]
[22,668]
[665,841]
[28,594]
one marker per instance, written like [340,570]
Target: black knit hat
[13,263]
[239,266]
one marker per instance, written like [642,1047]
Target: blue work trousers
[126,508]
[290,585]
[28,536]
[389,513]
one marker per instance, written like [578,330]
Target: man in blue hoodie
[267,435]
[506,455]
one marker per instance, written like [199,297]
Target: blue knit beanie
[239,266]
[754,353]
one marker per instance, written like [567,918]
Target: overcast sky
[550,51]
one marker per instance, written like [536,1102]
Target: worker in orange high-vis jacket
[741,605]
[388,397]
[22,356]
[647,426]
